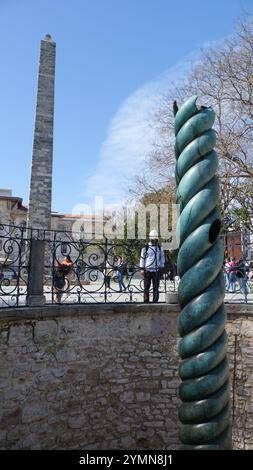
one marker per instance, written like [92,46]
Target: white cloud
[130,136]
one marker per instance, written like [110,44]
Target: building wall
[10,213]
[233,245]
[13,212]
[105,377]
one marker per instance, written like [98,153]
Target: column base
[171,298]
[36,300]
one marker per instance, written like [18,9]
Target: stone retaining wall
[105,377]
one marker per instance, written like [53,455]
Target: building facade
[69,230]
[14,212]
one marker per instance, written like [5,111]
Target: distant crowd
[237,271]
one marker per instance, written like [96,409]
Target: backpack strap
[146,249]
[160,251]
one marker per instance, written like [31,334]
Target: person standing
[121,267]
[232,275]
[61,272]
[151,261]
[242,276]
[107,275]
[67,265]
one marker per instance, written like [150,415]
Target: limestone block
[45,331]
[20,335]
[34,411]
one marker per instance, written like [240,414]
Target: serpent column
[204,372]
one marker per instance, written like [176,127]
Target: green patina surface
[204,390]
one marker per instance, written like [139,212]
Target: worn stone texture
[240,349]
[105,377]
[39,211]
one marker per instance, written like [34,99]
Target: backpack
[167,265]
[66,269]
[147,246]
[122,268]
[58,280]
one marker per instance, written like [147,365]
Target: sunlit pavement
[95,292]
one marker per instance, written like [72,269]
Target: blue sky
[115,59]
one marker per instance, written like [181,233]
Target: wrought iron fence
[80,269]
[14,265]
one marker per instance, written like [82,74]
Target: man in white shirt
[152,259]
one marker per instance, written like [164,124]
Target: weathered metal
[204,371]
[98,267]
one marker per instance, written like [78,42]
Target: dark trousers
[155,278]
[107,281]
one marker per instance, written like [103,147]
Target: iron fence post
[19,265]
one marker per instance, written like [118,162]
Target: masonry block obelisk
[39,210]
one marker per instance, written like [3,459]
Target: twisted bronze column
[204,371]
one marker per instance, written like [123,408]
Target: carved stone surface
[39,212]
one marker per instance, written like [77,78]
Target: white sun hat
[153,235]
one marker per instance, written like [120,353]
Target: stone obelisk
[39,211]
